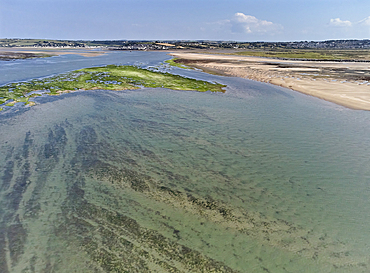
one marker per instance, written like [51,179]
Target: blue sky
[236,20]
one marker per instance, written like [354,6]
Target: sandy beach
[343,83]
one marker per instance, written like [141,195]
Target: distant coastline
[186,44]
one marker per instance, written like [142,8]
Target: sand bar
[86,52]
[343,83]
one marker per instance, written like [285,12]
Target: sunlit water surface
[259,179]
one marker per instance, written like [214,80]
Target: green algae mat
[110,77]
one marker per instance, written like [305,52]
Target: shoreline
[343,83]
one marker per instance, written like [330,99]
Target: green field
[109,77]
[36,42]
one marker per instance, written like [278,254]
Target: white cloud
[365,22]
[339,23]
[242,23]
[350,29]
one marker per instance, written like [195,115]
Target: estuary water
[258,179]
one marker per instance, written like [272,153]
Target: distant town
[181,44]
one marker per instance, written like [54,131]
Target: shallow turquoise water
[259,179]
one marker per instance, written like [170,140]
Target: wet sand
[343,83]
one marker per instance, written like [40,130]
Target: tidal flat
[110,77]
[345,83]
[9,56]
